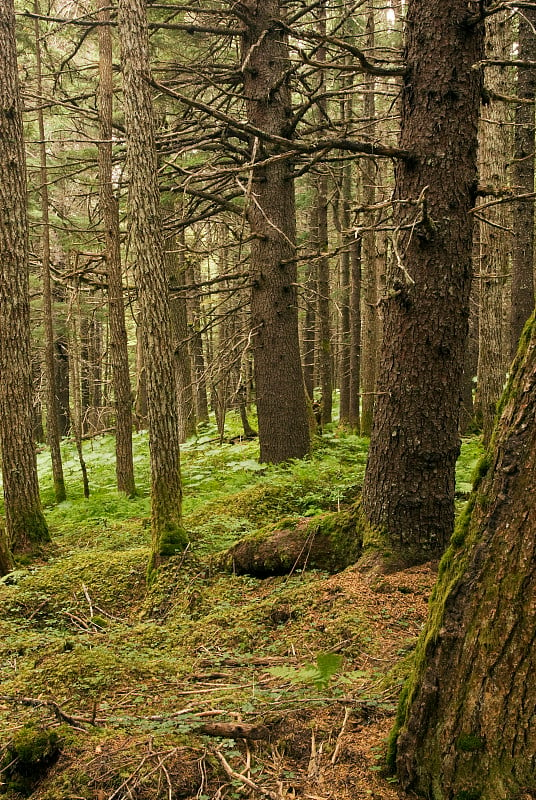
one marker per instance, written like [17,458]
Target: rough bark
[168,534]
[25,523]
[493,155]
[124,464]
[280,391]
[467,715]
[523,179]
[408,493]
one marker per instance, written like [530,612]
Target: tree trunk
[468,714]
[493,155]
[323,311]
[280,392]
[309,323]
[168,534]
[175,270]
[25,523]
[124,464]
[408,492]
[52,421]
[198,354]
[76,410]
[523,179]
[371,322]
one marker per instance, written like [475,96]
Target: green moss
[392,739]
[28,756]
[172,539]
[468,794]
[469,743]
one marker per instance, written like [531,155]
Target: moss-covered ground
[105,683]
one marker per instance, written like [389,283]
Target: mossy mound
[28,756]
[329,542]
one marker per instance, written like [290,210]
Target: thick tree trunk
[468,711]
[523,180]
[408,494]
[168,534]
[280,392]
[25,523]
[124,464]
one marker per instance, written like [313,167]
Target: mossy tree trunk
[168,534]
[468,715]
[25,523]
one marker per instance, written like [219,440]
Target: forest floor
[111,689]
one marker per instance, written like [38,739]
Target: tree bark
[280,392]
[25,523]
[371,322]
[168,534]
[52,418]
[493,155]
[124,464]
[467,715]
[408,492]
[523,179]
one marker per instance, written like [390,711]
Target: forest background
[283,216]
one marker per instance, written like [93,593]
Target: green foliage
[319,674]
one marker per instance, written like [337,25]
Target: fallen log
[329,542]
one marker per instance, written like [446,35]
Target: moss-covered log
[330,542]
[466,720]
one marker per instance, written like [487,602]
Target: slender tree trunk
[124,463]
[168,532]
[371,323]
[324,323]
[76,410]
[25,523]
[281,403]
[467,715]
[408,493]
[197,348]
[309,323]
[323,310]
[53,432]
[175,269]
[355,334]
[523,180]
[494,154]
[346,333]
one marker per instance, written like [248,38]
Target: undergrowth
[125,674]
